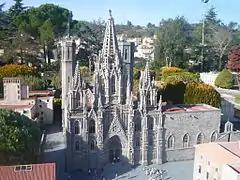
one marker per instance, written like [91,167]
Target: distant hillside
[135,31]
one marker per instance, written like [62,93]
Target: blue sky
[143,11]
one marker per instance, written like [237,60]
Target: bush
[169,70]
[84,71]
[174,92]
[173,78]
[36,83]
[200,93]
[14,70]
[224,79]
[136,73]
[191,93]
[56,81]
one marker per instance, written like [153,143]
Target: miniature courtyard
[174,171]
[54,151]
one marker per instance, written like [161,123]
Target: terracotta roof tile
[38,172]
[16,106]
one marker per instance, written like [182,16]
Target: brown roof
[32,172]
[16,106]
[41,92]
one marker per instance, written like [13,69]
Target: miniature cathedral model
[103,122]
[99,123]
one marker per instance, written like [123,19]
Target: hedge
[173,78]
[169,70]
[14,70]
[174,92]
[191,93]
[224,79]
[200,93]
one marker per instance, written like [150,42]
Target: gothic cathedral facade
[106,122]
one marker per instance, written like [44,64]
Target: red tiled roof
[41,92]
[38,172]
[16,106]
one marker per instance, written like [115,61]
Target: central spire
[110,50]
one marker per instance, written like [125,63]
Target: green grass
[237,99]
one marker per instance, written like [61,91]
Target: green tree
[16,10]
[129,24]
[172,39]
[46,38]
[3,18]
[221,39]
[150,25]
[224,79]
[18,133]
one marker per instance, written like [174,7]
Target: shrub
[174,92]
[191,93]
[35,83]
[136,73]
[200,93]
[14,70]
[56,81]
[169,70]
[173,78]
[84,71]
[224,79]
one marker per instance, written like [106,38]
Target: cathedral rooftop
[187,108]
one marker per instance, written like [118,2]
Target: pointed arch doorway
[114,149]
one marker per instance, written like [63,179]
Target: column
[130,152]
[144,142]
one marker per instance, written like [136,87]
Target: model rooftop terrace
[187,108]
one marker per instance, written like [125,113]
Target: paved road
[54,150]
[228,91]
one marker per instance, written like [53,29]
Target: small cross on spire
[110,13]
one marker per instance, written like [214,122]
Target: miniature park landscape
[101,100]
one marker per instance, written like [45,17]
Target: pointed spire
[147,72]
[110,14]
[110,45]
[77,75]
[160,103]
[131,100]
[99,102]
[69,22]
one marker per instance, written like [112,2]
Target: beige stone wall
[45,109]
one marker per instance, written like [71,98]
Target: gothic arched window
[170,142]
[150,123]
[76,127]
[77,145]
[125,54]
[113,84]
[148,98]
[214,136]
[92,126]
[228,127]
[137,143]
[138,125]
[77,100]
[150,140]
[186,140]
[200,138]
[92,145]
